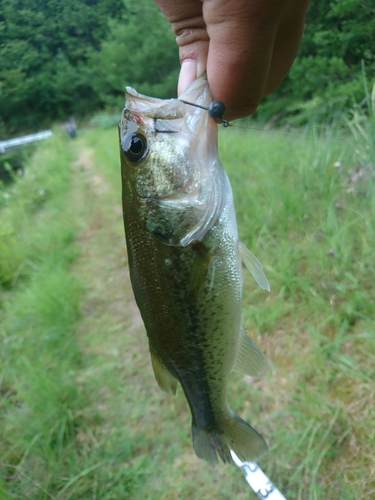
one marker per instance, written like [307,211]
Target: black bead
[216,110]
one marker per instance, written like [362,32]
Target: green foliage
[326,76]
[139,51]
[361,121]
[21,242]
[61,58]
[43,55]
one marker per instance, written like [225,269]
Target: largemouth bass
[185,263]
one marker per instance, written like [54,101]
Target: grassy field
[81,416]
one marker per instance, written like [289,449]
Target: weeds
[315,236]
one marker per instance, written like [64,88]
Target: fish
[185,262]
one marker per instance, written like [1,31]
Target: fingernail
[188,73]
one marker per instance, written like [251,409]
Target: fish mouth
[169,109]
[188,107]
[151,107]
[139,103]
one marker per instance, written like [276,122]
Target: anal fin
[164,378]
[250,359]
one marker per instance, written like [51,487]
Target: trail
[103,253]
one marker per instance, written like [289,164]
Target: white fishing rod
[258,481]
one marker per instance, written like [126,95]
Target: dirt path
[103,256]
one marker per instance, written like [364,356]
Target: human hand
[246,46]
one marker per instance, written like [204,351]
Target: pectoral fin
[250,360]
[165,380]
[254,266]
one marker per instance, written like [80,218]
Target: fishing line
[216,111]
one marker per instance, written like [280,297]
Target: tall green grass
[40,402]
[312,225]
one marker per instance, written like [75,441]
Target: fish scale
[185,264]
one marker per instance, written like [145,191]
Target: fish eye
[135,147]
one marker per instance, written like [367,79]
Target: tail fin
[235,434]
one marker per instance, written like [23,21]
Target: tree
[339,34]
[44,48]
[139,51]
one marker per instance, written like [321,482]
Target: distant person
[246,46]
[71,128]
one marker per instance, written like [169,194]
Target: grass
[39,298]
[44,408]
[313,230]
[81,414]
